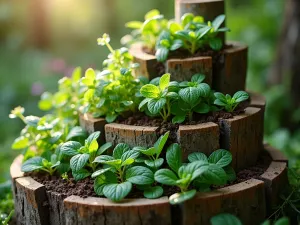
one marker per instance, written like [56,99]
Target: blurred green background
[42,40]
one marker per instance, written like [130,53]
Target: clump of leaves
[158,98]
[201,172]
[6,203]
[192,97]
[116,179]
[146,32]
[83,156]
[230,103]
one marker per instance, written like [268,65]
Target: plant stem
[190,116]
[109,47]
[193,49]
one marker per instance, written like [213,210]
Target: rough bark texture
[229,76]
[246,200]
[91,124]
[101,211]
[276,180]
[198,138]
[146,61]
[131,135]
[31,202]
[208,9]
[56,208]
[184,69]
[243,137]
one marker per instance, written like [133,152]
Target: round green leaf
[182,197]
[214,174]
[199,78]
[99,172]
[196,156]
[139,175]
[134,24]
[70,148]
[217,22]
[166,176]
[119,150]
[190,95]
[80,174]
[240,96]
[231,175]
[78,161]
[102,180]
[155,106]
[164,81]
[76,132]
[153,192]
[32,164]
[20,143]
[220,157]
[204,89]
[116,192]
[162,54]
[154,163]
[225,219]
[174,157]
[150,91]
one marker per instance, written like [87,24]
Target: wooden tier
[249,200]
[226,72]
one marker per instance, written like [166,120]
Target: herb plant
[201,172]
[83,156]
[230,103]
[192,97]
[116,179]
[158,98]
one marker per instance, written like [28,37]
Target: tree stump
[91,124]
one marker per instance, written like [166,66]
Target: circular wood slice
[91,124]
[248,200]
[226,74]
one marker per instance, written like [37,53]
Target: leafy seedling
[230,103]
[116,179]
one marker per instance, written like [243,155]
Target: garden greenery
[191,34]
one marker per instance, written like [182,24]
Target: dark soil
[85,188]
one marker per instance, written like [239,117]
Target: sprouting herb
[199,172]
[115,180]
[230,103]
[83,156]
[192,97]
[158,98]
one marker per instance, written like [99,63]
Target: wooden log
[257,100]
[131,135]
[275,154]
[184,69]
[146,61]
[31,205]
[91,124]
[56,208]
[208,9]
[229,75]
[276,181]
[198,138]
[102,211]
[245,200]
[243,137]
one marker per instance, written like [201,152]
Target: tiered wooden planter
[249,200]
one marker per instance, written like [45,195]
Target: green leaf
[199,78]
[187,18]
[152,13]
[143,103]
[116,192]
[155,106]
[196,156]
[231,175]
[174,27]
[115,162]
[218,22]
[80,174]
[104,148]
[220,102]
[202,108]
[134,24]
[240,96]
[93,146]
[196,169]
[76,75]
[154,163]
[150,91]
[92,137]
[176,44]
[166,176]
[214,174]
[32,164]
[220,96]
[99,172]
[282,221]
[76,132]
[32,121]
[174,157]
[149,151]
[225,219]
[160,143]
[77,162]
[162,54]
[204,89]
[103,158]
[178,119]
[111,117]
[131,154]
[220,157]
[190,95]
[20,143]
[127,162]
[70,148]
[102,180]
[164,81]
[182,197]
[139,175]
[216,44]
[153,192]
[119,150]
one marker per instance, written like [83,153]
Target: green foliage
[201,171]
[6,203]
[121,172]
[230,103]
[225,219]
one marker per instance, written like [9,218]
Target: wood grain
[91,124]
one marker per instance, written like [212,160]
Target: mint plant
[83,156]
[158,98]
[192,97]
[230,103]
[116,179]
